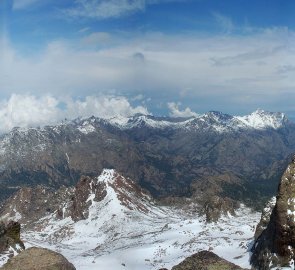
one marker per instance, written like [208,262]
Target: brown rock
[10,237]
[275,246]
[38,259]
[205,260]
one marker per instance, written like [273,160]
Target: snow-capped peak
[123,193]
[261,119]
[214,120]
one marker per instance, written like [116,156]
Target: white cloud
[176,112]
[102,9]
[218,71]
[104,107]
[97,38]
[30,111]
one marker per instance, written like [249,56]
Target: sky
[77,58]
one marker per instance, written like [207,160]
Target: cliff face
[275,245]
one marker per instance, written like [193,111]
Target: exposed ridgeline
[211,154]
[275,234]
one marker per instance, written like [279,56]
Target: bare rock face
[80,205]
[275,245]
[205,260]
[265,217]
[29,205]
[10,237]
[216,206]
[38,259]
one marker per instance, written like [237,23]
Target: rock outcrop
[29,205]
[10,241]
[275,245]
[38,259]
[205,260]
[216,206]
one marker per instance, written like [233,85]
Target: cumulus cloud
[31,111]
[176,112]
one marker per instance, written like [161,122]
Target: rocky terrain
[10,241]
[100,222]
[186,181]
[38,259]
[205,260]
[214,153]
[275,234]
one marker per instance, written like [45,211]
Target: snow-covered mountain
[122,227]
[213,120]
[163,154]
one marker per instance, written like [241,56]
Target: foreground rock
[205,260]
[38,259]
[10,241]
[275,245]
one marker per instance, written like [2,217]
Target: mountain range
[236,157]
[147,192]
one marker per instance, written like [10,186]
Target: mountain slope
[122,227]
[167,156]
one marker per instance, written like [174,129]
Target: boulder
[205,260]
[38,259]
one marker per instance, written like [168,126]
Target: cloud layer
[239,73]
[31,111]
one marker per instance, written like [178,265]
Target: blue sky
[234,56]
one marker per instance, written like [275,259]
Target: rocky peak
[28,205]
[275,246]
[109,187]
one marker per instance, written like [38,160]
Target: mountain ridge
[167,157]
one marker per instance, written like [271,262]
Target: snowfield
[150,243]
[147,242]
[126,229]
